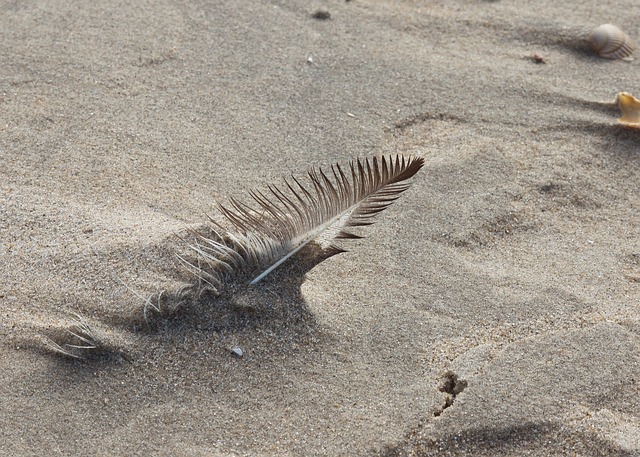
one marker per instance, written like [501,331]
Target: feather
[283,222]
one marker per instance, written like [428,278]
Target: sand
[493,310]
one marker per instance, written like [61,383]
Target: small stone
[321,15]
[238,352]
[538,58]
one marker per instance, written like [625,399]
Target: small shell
[630,107]
[538,58]
[610,42]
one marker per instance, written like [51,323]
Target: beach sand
[492,310]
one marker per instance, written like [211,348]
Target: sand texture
[493,310]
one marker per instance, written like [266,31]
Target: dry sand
[493,310]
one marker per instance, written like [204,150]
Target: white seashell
[610,42]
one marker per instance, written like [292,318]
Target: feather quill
[283,222]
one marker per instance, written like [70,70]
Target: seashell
[610,42]
[630,107]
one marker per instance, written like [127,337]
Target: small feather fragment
[630,107]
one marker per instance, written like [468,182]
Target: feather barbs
[284,221]
[373,185]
